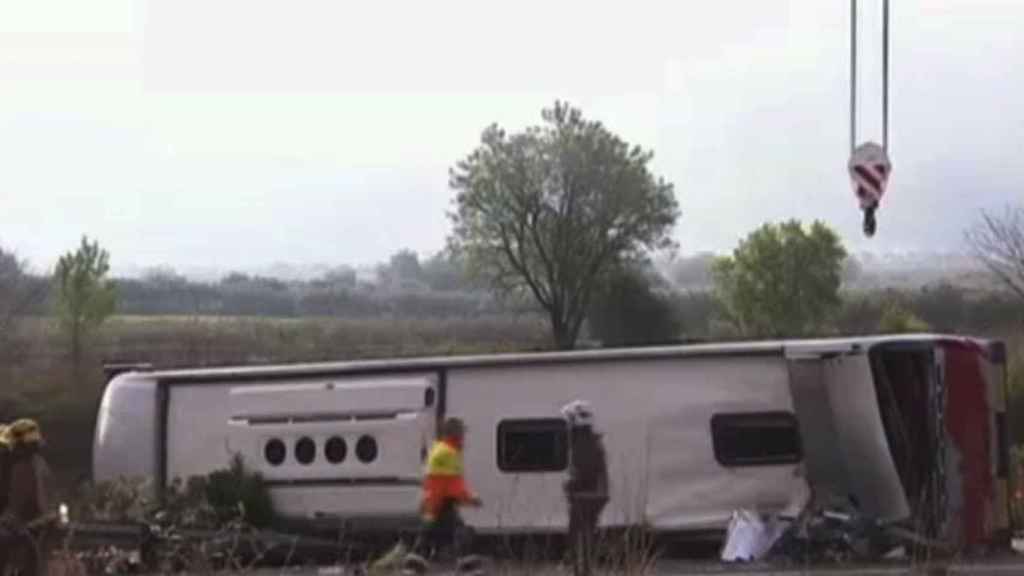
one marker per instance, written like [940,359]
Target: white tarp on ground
[749,537]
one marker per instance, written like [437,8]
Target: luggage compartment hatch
[364,397]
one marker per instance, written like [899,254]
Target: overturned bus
[912,428]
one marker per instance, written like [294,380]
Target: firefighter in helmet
[8,534]
[27,498]
[586,489]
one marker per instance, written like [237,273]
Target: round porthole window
[274,451]
[335,450]
[366,449]
[305,451]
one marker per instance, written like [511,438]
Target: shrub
[235,493]
[897,319]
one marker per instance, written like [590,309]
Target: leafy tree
[781,280]
[628,310]
[85,297]
[549,210]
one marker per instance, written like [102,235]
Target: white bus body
[692,432]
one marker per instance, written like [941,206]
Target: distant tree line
[403,286]
[636,304]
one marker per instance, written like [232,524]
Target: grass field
[215,340]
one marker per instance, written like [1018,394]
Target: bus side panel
[377,473]
[692,487]
[655,417]
[197,430]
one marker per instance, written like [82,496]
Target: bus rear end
[944,408]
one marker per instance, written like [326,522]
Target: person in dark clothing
[5,457]
[7,538]
[586,489]
[29,486]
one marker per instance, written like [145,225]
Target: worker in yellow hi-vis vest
[444,490]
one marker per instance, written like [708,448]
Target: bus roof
[781,348]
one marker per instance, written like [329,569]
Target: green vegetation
[896,320]
[85,298]
[236,493]
[633,307]
[226,505]
[227,495]
[550,211]
[782,280]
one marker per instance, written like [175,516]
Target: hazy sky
[239,133]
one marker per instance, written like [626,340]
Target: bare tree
[997,240]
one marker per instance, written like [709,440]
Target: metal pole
[853,75]
[885,76]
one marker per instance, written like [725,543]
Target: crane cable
[869,163]
[853,75]
[885,75]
